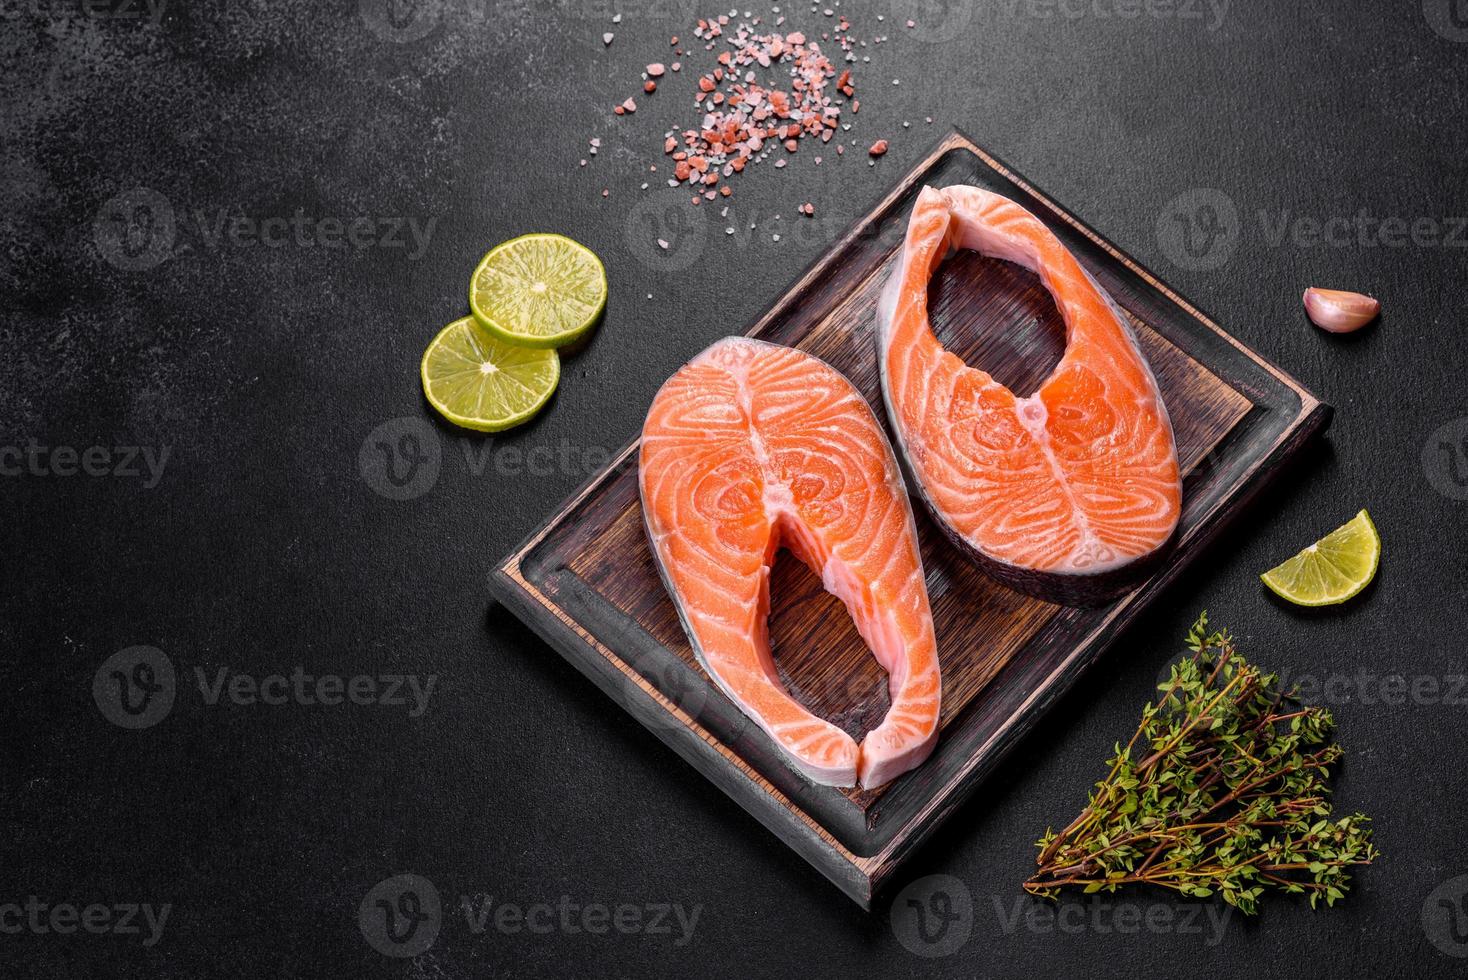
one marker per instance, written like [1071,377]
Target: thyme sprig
[1223,790]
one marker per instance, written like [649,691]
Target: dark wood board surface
[586,581]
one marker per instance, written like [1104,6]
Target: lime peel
[539,290]
[1331,570]
[480,382]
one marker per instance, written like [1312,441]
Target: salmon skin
[1069,494]
[750,447]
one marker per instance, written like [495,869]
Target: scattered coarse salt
[766,90]
[741,116]
[607,38]
[662,244]
[616,18]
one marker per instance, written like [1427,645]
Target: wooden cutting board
[587,584]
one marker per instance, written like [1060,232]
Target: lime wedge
[538,290]
[1332,569]
[482,383]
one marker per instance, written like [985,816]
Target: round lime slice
[538,290]
[482,383]
[1332,569]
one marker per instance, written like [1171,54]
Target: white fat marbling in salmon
[1055,491]
[751,447]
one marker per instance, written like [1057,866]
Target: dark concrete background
[134,317]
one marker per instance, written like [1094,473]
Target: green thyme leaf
[1223,789]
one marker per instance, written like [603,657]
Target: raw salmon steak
[1066,493]
[751,447]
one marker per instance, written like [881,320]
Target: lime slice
[1332,569]
[538,290]
[482,383]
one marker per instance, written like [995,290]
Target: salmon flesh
[751,447]
[1067,493]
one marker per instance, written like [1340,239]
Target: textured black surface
[264,545]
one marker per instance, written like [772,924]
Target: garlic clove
[1338,311]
